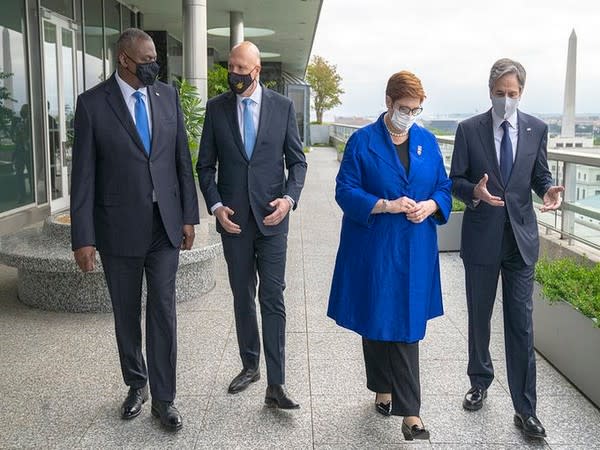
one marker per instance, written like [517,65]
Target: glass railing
[578,171]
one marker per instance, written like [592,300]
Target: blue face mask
[145,72]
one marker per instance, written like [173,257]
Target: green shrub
[565,279]
[457,205]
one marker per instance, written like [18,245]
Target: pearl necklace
[393,133]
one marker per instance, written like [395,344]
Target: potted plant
[193,115]
[566,321]
[449,234]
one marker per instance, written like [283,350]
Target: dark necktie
[141,120]
[506,153]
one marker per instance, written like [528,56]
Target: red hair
[404,84]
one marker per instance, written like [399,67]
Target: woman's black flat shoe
[414,432]
[383,408]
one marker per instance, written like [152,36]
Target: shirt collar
[497,120]
[127,90]
[256,95]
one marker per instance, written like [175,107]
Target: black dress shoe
[168,414]
[474,398]
[243,380]
[132,406]
[276,397]
[530,426]
[414,432]
[383,408]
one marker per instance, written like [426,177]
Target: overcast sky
[451,46]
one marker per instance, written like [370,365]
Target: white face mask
[504,106]
[402,121]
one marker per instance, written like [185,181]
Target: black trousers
[250,255]
[393,367]
[517,289]
[124,279]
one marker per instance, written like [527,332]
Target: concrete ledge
[49,278]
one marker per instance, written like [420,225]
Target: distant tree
[325,85]
[217,81]
[6,113]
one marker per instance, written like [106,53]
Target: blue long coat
[386,283]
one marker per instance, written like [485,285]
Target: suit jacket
[249,185]
[113,177]
[475,154]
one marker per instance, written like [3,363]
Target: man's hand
[552,199]
[282,207]
[481,193]
[85,257]
[222,213]
[188,237]
[421,211]
[400,205]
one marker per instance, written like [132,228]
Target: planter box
[319,134]
[449,234]
[570,341]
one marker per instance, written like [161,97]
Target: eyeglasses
[413,112]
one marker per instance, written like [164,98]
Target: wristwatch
[385,204]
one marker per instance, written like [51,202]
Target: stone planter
[449,234]
[570,341]
[319,134]
[49,279]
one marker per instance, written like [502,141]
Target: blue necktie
[249,131]
[141,120]
[506,154]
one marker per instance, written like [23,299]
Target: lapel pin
[157,94]
[419,150]
[528,129]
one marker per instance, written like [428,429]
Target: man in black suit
[499,157]
[251,133]
[133,198]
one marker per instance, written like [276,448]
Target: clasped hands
[552,198]
[282,208]
[415,211]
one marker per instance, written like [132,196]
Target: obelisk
[568,118]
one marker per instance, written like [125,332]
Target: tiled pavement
[60,384]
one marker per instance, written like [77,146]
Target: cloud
[451,46]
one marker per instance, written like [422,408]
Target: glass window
[16,160]
[92,16]
[112,30]
[63,7]
[127,18]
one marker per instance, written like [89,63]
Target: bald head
[246,50]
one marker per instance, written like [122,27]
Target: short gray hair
[505,66]
[128,38]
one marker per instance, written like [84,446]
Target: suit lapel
[156,108]
[117,103]
[486,134]
[523,144]
[231,112]
[415,151]
[265,115]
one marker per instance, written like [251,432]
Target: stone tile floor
[60,384]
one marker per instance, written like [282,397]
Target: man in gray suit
[133,199]
[499,157]
[251,133]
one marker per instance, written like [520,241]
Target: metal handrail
[565,220]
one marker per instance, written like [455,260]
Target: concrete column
[568,118]
[195,45]
[236,28]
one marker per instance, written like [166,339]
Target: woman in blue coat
[393,189]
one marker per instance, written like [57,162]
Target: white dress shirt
[256,98]
[513,133]
[130,100]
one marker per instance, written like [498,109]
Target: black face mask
[239,83]
[145,72]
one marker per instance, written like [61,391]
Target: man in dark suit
[251,133]
[499,157]
[133,198]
